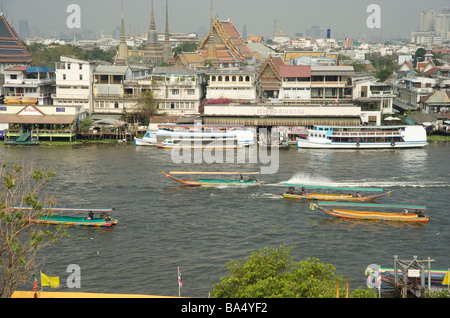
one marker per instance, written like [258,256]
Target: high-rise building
[427,20]
[24,29]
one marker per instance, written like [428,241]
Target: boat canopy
[331,187]
[372,205]
[67,209]
[213,173]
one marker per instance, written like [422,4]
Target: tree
[21,239]
[145,108]
[185,47]
[273,273]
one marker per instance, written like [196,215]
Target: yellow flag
[445,281]
[53,282]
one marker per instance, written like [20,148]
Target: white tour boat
[364,137]
[245,137]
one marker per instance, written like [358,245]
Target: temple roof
[230,46]
[11,48]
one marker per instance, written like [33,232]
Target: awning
[283,121]
[30,119]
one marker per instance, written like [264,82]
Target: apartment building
[29,85]
[177,90]
[374,98]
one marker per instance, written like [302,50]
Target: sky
[260,17]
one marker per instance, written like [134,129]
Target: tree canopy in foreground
[271,273]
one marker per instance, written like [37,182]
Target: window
[81,66]
[213,78]
[233,78]
[116,104]
[191,91]
[227,78]
[247,78]
[68,66]
[64,76]
[175,91]
[81,77]
[14,76]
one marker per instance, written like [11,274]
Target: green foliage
[363,293]
[85,124]
[185,47]
[438,293]
[97,54]
[20,238]
[43,55]
[146,108]
[271,273]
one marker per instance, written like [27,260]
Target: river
[163,226]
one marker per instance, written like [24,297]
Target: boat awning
[283,121]
[30,119]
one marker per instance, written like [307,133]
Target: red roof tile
[295,71]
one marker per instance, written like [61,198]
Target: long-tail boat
[213,182]
[351,194]
[407,213]
[104,219]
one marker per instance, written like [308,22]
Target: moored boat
[364,137]
[408,213]
[351,194]
[214,182]
[244,136]
[204,142]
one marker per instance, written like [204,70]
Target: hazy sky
[261,17]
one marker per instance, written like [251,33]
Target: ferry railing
[371,133]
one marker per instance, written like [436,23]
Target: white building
[375,98]
[238,85]
[74,83]
[177,90]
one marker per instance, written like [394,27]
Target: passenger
[303,191]
[358,195]
[241,178]
[405,211]
[290,190]
[90,215]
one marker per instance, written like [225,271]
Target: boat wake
[433,181]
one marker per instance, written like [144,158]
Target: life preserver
[357,144]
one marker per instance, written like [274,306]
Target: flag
[379,279]
[180,284]
[445,281]
[53,282]
[35,284]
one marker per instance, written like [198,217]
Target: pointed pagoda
[211,44]
[167,47]
[153,52]
[122,50]
[12,51]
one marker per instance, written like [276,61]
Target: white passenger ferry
[364,137]
[245,137]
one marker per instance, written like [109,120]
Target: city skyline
[260,17]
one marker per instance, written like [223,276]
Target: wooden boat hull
[374,215]
[209,182]
[334,197]
[74,221]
